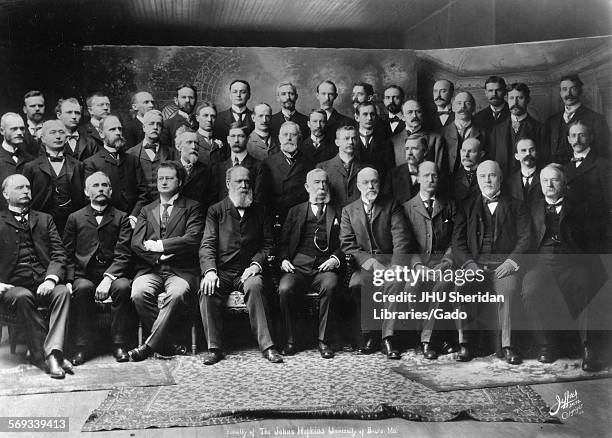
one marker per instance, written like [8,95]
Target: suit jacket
[149,168]
[378,155]
[132,131]
[30,144]
[557,147]
[232,242]
[433,121]
[86,146]
[436,149]
[327,149]
[39,173]
[92,132]
[385,127]
[512,230]
[390,231]
[197,185]
[127,179]
[437,229]
[283,184]
[258,149]
[211,152]
[398,184]
[514,187]
[277,120]
[500,146]
[484,118]
[342,186]
[47,244]
[226,118]
[335,121]
[291,236]
[83,236]
[461,189]
[9,167]
[451,140]
[182,237]
[219,187]
[171,125]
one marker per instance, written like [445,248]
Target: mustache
[517,106]
[439,99]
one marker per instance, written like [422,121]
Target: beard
[118,143]
[186,107]
[528,161]
[241,199]
[371,195]
[320,197]
[393,108]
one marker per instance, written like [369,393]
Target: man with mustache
[327,93]
[261,143]
[142,102]
[287,96]
[284,173]
[78,144]
[211,150]
[233,255]
[12,156]
[197,185]
[165,245]
[503,137]
[375,232]
[238,112]
[150,152]
[373,148]
[310,257]
[98,106]
[524,184]
[497,111]
[97,240]
[492,233]
[318,147]
[393,121]
[32,272]
[558,149]
[130,191]
[443,115]
[402,181]
[464,182]
[34,110]
[56,179]
[186,99]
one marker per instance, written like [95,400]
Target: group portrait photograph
[306,218]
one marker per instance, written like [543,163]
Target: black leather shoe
[389,350]
[465,353]
[67,366]
[213,356]
[590,361]
[80,357]
[177,350]
[140,353]
[511,356]
[289,349]
[272,355]
[54,368]
[325,350]
[120,354]
[371,346]
[429,352]
[547,354]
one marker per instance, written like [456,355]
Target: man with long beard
[233,255]
[197,185]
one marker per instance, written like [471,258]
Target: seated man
[402,181]
[31,272]
[97,238]
[233,253]
[165,243]
[310,256]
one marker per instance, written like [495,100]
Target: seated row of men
[170,248]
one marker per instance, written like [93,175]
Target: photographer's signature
[568,405]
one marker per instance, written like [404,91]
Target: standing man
[524,184]
[99,107]
[97,239]
[12,155]
[464,182]
[165,244]
[326,95]
[186,99]
[443,92]
[211,150]
[373,149]
[233,255]
[78,144]
[402,181]
[34,110]
[556,128]
[56,179]
[317,146]
[198,179]
[32,271]
[142,102]
[261,143]
[393,98]
[310,257]
[287,95]
[362,93]
[497,111]
[240,93]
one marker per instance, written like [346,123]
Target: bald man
[443,115]
[12,154]
[142,101]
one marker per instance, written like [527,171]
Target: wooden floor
[595,421]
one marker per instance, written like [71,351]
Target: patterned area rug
[245,387]
[446,374]
[92,376]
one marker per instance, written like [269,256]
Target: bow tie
[552,208]
[491,201]
[577,159]
[395,119]
[444,113]
[72,137]
[98,212]
[23,212]
[55,158]
[151,146]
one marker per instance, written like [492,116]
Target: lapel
[91,218]
[107,157]
[362,221]
[108,217]
[377,209]
[477,222]
[9,218]
[501,214]
[340,167]
[516,185]
[44,166]
[33,221]
[539,220]
[177,212]
[587,164]
[233,211]
[438,206]
[153,211]
[453,142]
[330,216]
[419,206]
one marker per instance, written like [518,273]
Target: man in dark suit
[375,232]
[32,261]
[78,144]
[124,170]
[492,234]
[165,244]
[186,99]
[443,115]
[361,93]
[464,182]
[198,179]
[326,95]
[12,155]
[34,110]
[97,240]
[461,128]
[310,257]
[284,173]
[393,121]
[317,146]
[261,143]
[344,167]
[373,149]
[402,182]
[233,255]
[56,179]
[497,111]
[287,96]
[142,102]
[558,149]
[150,152]
[502,138]
[240,93]
[98,106]
[524,184]
[211,150]
[565,273]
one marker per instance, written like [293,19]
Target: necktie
[55,158]
[366,142]
[567,115]
[98,213]
[320,211]
[496,114]
[494,200]
[16,153]
[429,206]
[164,216]
[290,160]
[527,184]
[189,168]
[552,208]
[443,113]
[368,211]
[236,162]
[114,155]
[240,116]
[152,147]
[577,159]
[21,217]
[516,125]
[316,144]
[394,119]
[347,167]
[74,137]
[470,176]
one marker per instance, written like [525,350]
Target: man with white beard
[233,255]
